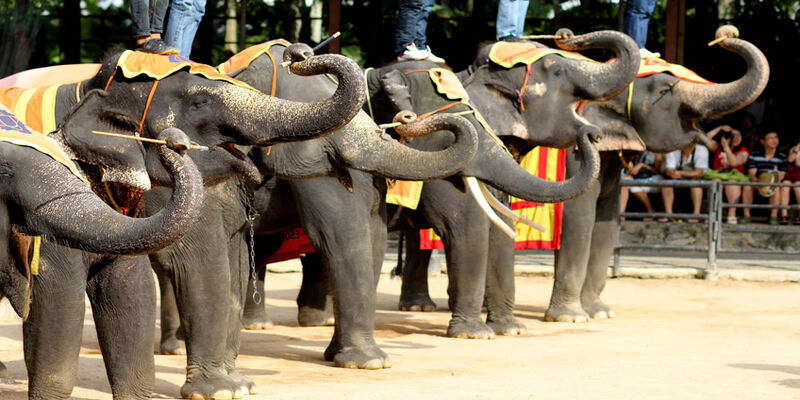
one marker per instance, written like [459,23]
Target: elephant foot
[565,313]
[469,329]
[246,385]
[416,303]
[256,323]
[309,316]
[172,346]
[202,384]
[597,309]
[370,357]
[507,326]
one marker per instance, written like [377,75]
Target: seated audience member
[730,155]
[792,176]
[646,167]
[761,164]
[690,162]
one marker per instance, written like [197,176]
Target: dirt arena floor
[671,339]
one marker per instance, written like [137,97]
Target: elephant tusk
[497,205]
[475,190]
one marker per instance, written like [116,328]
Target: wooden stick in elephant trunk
[601,81]
[712,101]
[73,215]
[291,121]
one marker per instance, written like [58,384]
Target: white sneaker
[644,53]
[434,58]
[412,53]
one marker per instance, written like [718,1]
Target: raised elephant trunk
[711,101]
[601,81]
[505,174]
[76,217]
[287,121]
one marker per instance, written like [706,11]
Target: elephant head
[360,144]
[535,101]
[664,109]
[219,114]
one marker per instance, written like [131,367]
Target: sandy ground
[671,339]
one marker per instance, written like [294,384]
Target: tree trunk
[231,26]
[316,21]
[19,24]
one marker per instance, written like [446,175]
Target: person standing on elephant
[511,19]
[646,167]
[637,17]
[184,18]
[793,176]
[690,162]
[410,40]
[767,160]
[730,155]
[147,22]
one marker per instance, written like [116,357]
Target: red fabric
[721,164]
[295,243]
[793,174]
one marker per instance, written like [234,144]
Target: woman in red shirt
[730,155]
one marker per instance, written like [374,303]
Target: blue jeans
[184,18]
[511,17]
[637,16]
[148,16]
[412,21]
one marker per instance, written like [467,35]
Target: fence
[713,216]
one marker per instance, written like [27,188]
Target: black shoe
[784,220]
[511,38]
[154,46]
[796,221]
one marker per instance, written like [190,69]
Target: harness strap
[147,106]
[109,80]
[440,109]
[524,84]
[366,87]
[274,73]
[630,99]
[78,91]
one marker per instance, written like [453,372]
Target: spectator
[184,18]
[766,161]
[409,34]
[511,19]
[793,176]
[646,167]
[637,17]
[148,23]
[690,162]
[730,155]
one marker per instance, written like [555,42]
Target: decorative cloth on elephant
[404,193]
[160,66]
[295,243]
[35,107]
[509,54]
[546,163]
[245,57]
[653,65]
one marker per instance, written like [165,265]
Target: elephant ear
[502,81]
[395,86]
[14,284]
[98,110]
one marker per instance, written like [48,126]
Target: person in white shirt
[690,162]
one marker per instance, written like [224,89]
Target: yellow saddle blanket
[243,58]
[655,65]
[159,66]
[35,107]
[508,54]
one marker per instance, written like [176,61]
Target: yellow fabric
[35,107]
[405,194]
[508,54]
[159,66]
[655,65]
[37,245]
[12,130]
[243,58]
[543,214]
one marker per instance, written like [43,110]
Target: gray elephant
[214,113]
[328,186]
[663,112]
[467,233]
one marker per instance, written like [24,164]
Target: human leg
[637,16]
[184,19]
[623,198]
[732,193]
[697,200]
[420,36]
[140,19]
[406,26]
[159,8]
[511,17]
[668,194]
[747,198]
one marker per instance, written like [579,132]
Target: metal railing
[714,216]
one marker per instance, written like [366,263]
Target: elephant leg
[500,289]
[171,336]
[337,224]
[601,251]
[52,332]
[414,293]
[123,298]
[3,371]
[239,253]
[572,258]
[315,299]
[254,316]
[379,233]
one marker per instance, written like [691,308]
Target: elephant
[663,113]
[398,86]
[334,186]
[214,111]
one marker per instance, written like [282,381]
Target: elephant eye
[199,103]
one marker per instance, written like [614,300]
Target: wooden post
[676,31]
[334,25]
